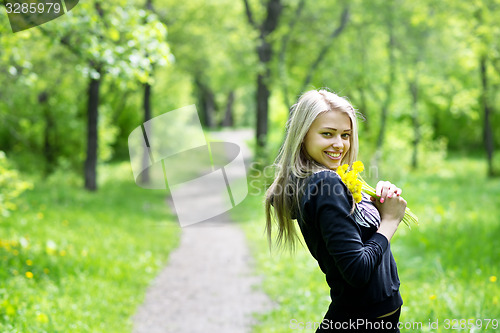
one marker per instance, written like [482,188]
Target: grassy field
[449,265]
[74,261]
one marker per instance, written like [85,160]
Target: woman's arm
[329,206]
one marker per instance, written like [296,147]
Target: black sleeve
[342,236]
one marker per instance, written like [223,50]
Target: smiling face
[328,138]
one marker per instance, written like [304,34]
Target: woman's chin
[333,165]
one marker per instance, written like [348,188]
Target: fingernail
[382,200]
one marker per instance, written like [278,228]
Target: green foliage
[115,39]
[434,45]
[448,266]
[11,186]
[74,261]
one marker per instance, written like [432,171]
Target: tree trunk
[487,132]
[264,52]
[48,138]
[206,98]
[147,116]
[263,94]
[228,120]
[92,134]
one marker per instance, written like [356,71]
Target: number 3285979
[24,8]
[461,324]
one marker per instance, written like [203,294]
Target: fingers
[386,190]
[380,186]
[382,190]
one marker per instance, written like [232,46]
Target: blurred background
[424,74]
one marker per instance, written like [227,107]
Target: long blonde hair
[293,164]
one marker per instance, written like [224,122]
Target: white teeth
[333,154]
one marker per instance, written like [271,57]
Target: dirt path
[208,285]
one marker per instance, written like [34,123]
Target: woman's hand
[391,206]
[386,190]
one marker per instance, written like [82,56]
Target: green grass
[75,261]
[448,265]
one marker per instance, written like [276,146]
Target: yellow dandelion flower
[29,262]
[46,270]
[351,180]
[493,278]
[358,166]
[357,197]
[29,275]
[341,170]
[357,185]
[432,297]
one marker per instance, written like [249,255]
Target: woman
[350,241]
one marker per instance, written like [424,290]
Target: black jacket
[357,261]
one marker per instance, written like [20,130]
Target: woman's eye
[346,135]
[326,134]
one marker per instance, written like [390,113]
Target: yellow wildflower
[350,179]
[432,297]
[341,170]
[29,262]
[29,275]
[358,166]
[356,185]
[493,278]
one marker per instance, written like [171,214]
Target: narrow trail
[208,284]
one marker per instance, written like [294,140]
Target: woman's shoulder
[324,176]
[324,182]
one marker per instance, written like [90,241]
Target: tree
[109,38]
[265,53]
[213,48]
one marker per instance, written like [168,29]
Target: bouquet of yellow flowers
[356,185]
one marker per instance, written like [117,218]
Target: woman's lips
[333,155]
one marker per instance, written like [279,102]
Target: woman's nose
[337,143]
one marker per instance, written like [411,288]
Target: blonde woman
[350,241]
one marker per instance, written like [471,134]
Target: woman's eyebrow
[334,129]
